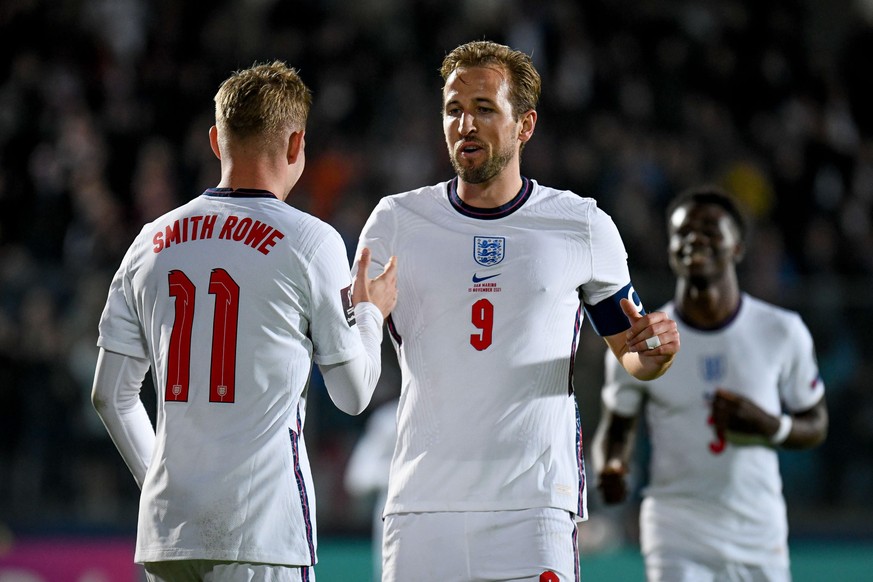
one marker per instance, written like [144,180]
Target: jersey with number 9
[490,302]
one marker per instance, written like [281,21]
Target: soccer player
[745,383]
[229,299]
[487,479]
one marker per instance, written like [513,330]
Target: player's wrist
[369,309]
[616,466]
[785,424]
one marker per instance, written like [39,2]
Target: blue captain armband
[607,316]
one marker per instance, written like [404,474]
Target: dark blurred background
[104,112]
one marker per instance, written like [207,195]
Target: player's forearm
[115,396]
[808,429]
[351,383]
[613,440]
[647,368]
[641,365]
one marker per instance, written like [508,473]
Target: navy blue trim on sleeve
[393,331]
[607,318]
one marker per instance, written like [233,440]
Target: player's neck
[493,193]
[253,177]
[706,305]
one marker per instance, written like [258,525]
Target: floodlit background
[104,112]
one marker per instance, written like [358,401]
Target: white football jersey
[708,497]
[490,302]
[231,296]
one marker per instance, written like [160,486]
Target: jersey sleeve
[334,335]
[610,282]
[800,383]
[377,235]
[119,329]
[621,393]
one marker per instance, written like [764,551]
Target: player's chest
[719,361]
[491,260]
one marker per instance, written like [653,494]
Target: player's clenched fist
[611,482]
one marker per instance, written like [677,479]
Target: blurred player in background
[229,299]
[368,467]
[487,479]
[745,383]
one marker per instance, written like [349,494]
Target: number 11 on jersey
[224,341]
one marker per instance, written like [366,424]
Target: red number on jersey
[178,362]
[482,318]
[224,326]
[223,359]
[717,446]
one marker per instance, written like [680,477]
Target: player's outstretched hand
[381,291]
[611,482]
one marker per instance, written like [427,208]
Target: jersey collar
[718,327]
[489,213]
[239,193]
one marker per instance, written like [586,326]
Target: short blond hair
[524,80]
[264,100]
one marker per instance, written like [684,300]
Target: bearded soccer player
[487,480]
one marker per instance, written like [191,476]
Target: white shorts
[674,568]
[536,545]
[683,539]
[219,571]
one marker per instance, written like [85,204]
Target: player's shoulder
[180,211]
[392,210]
[565,202]
[760,310]
[302,219]
[311,230]
[416,197]
[757,305]
[544,191]
[303,233]
[168,218]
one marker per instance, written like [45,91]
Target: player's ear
[528,123]
[296,144]
[739,252]
[213,141]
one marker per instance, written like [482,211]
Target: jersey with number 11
[231,297]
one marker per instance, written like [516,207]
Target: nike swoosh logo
[480,279]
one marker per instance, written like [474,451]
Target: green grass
[349,560]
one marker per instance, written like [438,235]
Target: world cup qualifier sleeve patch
[348,307]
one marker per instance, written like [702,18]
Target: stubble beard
[484,172]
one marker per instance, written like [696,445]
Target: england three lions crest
[488,250]
[713,368]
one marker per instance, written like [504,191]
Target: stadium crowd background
[104,112]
